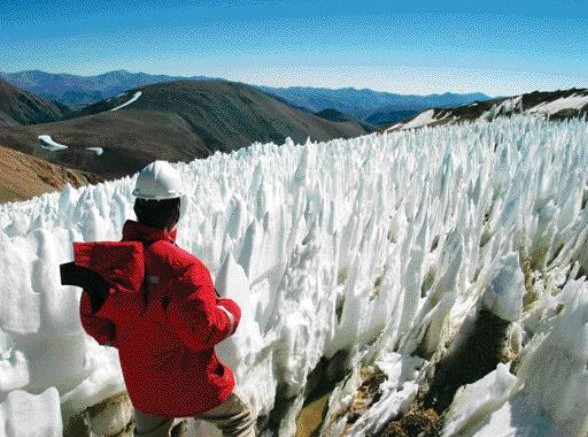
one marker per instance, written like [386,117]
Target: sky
[499,47]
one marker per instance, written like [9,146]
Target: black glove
[94,283]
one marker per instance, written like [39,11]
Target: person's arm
[99,328]
[97,287]
[111,274]
[199,318]
[96,290]
[103,305]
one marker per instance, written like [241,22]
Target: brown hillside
[21,107]
[177,121]
[23,176]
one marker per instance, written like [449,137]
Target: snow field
[381,246]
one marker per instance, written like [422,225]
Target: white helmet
[158,181]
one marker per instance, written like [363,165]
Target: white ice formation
[385,246]
[507,107]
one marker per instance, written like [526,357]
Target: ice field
[388,247]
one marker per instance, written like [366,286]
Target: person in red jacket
[157,304]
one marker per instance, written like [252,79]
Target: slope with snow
[570,102]
[554,104]
[49,144]
[128,102]
[385,250]
[422,119]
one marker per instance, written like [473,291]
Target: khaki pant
[234,418]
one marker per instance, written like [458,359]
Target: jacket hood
[135,231]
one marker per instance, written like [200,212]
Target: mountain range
[187,119]
[77,91]
[176,121]
[369,106]
[366,104]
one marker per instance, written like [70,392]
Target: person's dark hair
[160,214]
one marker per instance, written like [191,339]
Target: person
[157,304]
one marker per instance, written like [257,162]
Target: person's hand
[93,283]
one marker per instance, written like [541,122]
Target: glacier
[390,254]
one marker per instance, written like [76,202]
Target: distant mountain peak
[116,73]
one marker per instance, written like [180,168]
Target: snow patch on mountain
[96,150]
[130,101]
[385,248]
[47,143]
[423,119]
[571,102]
[557,104]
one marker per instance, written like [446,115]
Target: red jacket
[163,315]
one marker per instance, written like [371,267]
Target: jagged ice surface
[382,245]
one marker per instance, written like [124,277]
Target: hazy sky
[498,47]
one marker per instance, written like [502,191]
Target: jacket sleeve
[99,328]
[119,310]
[199,318]
[121,267]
